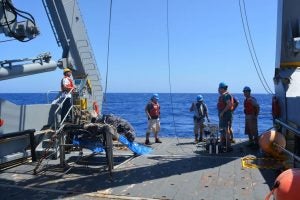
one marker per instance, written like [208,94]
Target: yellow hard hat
[67,70]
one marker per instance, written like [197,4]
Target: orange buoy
[286,186]
[267,140]
[1,122]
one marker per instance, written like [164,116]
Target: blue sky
[207,45]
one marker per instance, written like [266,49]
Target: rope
[169,67]
[108,51]
[250,37]
[169,73]
[252,49]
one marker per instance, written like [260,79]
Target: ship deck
[176,169]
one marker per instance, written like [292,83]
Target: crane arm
[71,35]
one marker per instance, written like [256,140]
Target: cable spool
[286,186]
[267,140]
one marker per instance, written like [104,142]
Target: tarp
[135,147]
[97,147]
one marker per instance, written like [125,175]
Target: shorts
[251,125]
[225,122]
[153,125]
[198,123]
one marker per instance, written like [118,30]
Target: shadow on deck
[178,169]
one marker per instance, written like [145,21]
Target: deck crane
[70,33]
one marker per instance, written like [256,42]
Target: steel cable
[252,49]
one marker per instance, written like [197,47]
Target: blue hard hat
[155,96]
[199,97]
[223,85]
[246,88]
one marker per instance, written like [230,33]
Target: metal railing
[51,92]
[296,131]
[287,152]
[60,107]
[293,130]
[30,133]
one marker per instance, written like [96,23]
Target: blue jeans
[64,110]
[224,125]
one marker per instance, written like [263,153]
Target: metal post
[32,146]
[29,132]
[108,147]
[62,149]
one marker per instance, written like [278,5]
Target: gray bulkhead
[287,69]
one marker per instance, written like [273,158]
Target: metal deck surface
[177,169]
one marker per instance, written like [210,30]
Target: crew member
[152,110]
[67,86]
[200,112]
[251,110]
[225,107]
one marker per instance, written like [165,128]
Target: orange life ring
[1,122]
[96,107]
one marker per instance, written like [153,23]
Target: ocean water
[176,120]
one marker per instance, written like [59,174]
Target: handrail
[287,152]
[288,127]
[64,100]
[63,120]
[51,91]
[296,132]
[59,107]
